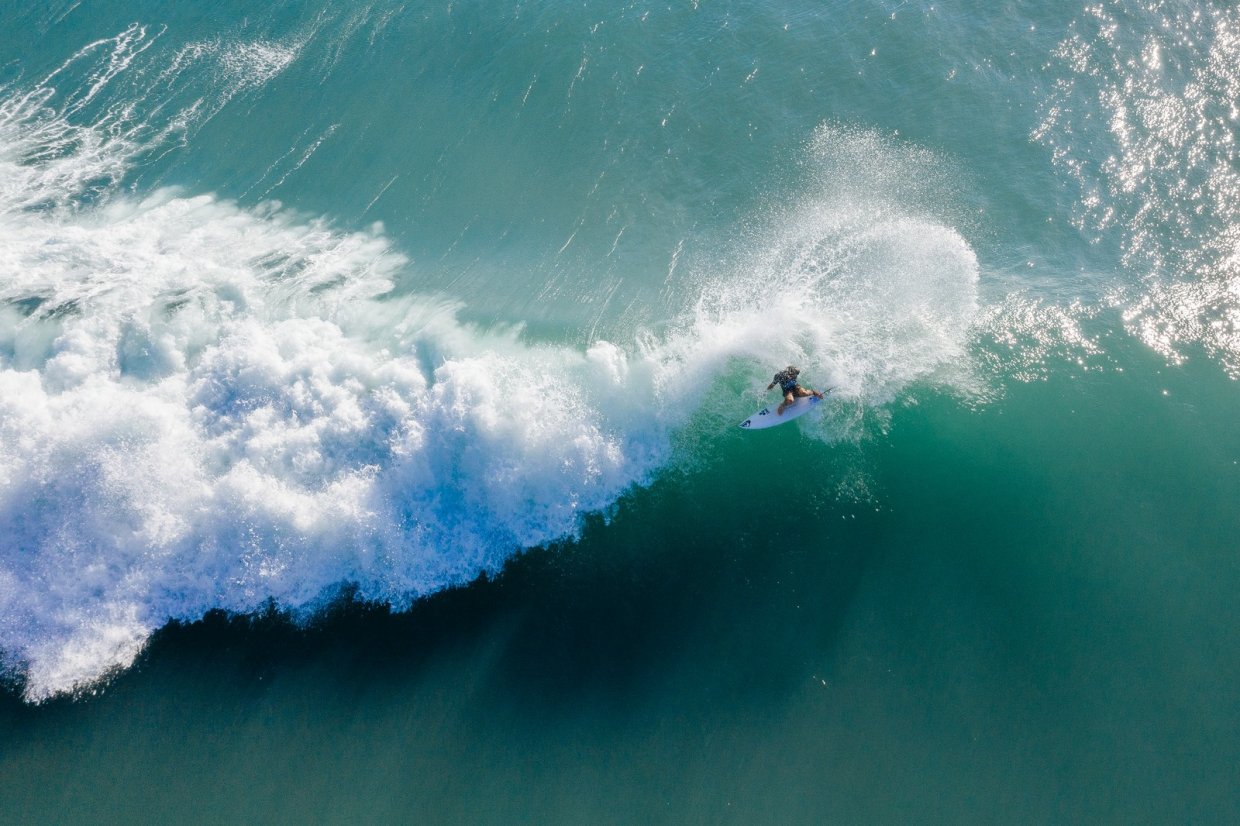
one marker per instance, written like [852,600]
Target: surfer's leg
[779,411]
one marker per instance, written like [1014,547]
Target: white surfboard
[767,417]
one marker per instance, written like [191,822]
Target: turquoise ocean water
[369,381]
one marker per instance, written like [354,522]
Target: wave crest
[205,406]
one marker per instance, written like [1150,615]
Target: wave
[210,406]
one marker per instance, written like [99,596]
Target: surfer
[787,381]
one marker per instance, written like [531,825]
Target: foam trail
[204,406]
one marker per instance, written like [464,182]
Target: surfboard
[767,417]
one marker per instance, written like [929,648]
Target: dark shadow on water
[670,591]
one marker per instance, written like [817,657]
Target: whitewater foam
[212,436]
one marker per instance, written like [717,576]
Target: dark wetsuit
[786,380]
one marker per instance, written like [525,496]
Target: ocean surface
[370,375]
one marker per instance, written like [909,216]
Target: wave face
[208,403]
